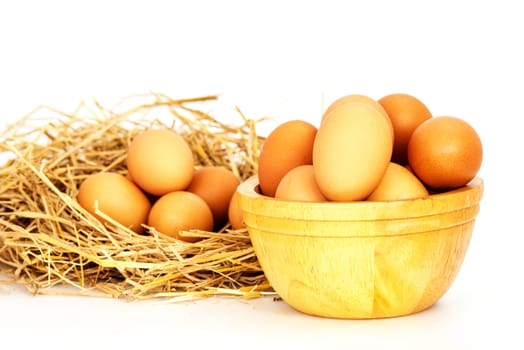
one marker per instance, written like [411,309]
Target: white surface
[280,59]
[458,322]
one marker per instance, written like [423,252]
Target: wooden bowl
[361,259]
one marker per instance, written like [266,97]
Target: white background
[462,58]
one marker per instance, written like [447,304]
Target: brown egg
[406,112]
[180,211]
[352,151]
[398,183]
[215,185]
[289,145]
[116,197]
[355,98]
[235,215]
[160,161]
[299,184]
[445,153]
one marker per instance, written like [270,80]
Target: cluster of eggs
[392,148]
[163,189]
[388,149]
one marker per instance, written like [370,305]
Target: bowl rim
[434,204]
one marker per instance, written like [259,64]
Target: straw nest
[48,241]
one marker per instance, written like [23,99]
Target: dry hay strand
[48,240]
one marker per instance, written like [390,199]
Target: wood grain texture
[361,259]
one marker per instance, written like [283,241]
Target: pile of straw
[48,240]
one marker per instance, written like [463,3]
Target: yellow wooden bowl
[361,259]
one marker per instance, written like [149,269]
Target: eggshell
[349,98]
[235,215]
[216,185]
[352,151]
[289,145]
[398,183]
[357,98]
[116,197]
[406,112]
[178,211]
[445,152]
[299,184]
[160,161]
